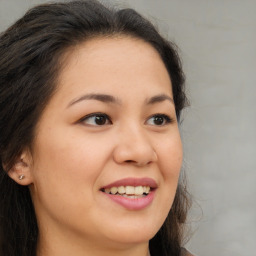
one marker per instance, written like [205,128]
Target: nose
[134,147]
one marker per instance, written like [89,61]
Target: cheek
[171,162]
[66,171]
[170,158]
[64,165]
[69,153]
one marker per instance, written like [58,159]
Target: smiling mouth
[132,192]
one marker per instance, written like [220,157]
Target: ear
[21,170]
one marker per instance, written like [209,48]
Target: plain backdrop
[217,41]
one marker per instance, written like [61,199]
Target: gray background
[217,41]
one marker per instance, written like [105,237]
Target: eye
[96,119]
[159,120]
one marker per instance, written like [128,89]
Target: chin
[133,234]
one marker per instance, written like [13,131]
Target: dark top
[184,252]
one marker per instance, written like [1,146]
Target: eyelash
[165,118]
[87,117]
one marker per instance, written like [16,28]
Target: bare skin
[86,140]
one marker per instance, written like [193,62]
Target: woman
[89,139]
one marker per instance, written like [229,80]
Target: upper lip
[131,181]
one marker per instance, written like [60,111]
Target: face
[107,152]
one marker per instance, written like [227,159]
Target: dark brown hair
[30,52]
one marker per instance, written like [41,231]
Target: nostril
[140,156]
[129,161]
[138,163]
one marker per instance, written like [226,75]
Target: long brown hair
[30,53]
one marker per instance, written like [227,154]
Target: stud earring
[21,177]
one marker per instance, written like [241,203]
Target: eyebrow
[95,96]
[111,99]
[159,98]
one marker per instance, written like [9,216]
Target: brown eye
[100,120]
[96,120]
[159,120]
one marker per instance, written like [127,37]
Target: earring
[21,177]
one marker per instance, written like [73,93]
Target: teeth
[113,190]
[138,190]
[121,190]
[128,190]
[107,190]
[133,196]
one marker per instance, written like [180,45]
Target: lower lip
[130,203]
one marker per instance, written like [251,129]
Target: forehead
[112,47]
[114,63]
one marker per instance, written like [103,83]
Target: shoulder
[184,252]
